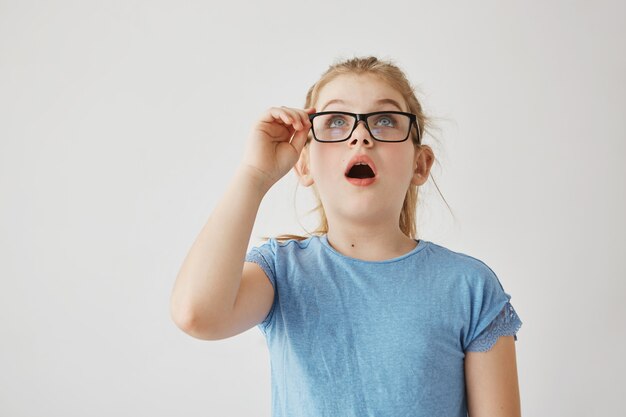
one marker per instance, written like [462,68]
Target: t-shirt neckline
[421,244]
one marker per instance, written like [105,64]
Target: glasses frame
[363,116]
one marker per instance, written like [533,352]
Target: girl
[360,318]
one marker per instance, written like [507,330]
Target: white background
[121,123]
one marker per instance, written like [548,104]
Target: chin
[363,207]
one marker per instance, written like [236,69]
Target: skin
[363,221]
[491,381]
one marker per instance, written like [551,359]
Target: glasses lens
[389,126]
[384,126]
[333,126]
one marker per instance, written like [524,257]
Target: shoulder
[287,243]
[469,270]
[458,260]
[281,246]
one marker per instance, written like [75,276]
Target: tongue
[361,171]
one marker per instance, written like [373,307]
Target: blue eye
[388,121]
[342,122]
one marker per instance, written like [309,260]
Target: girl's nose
[361,134]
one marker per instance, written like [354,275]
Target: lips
[361,171]
[362,158]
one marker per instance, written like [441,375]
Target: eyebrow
[382,101]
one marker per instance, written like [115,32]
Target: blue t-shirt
[356,338]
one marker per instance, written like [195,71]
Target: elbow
[190,322]
[184,319]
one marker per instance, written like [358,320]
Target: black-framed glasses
[384,126]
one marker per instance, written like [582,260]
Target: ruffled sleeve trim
[506,323]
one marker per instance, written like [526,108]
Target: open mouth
[360,170]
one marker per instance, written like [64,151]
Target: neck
[369,242]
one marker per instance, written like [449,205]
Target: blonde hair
[391,74]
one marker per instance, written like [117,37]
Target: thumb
[299,140]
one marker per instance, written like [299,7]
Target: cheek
[325,162]
[400,161]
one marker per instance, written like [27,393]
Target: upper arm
[491,381]
[253,303]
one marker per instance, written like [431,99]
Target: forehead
[358,93]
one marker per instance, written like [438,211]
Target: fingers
[299,140]
[300,137]
[301,117]
[298,119]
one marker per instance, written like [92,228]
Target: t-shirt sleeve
[265,257]
[506,323]
[491,314]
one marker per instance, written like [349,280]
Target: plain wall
[121,123]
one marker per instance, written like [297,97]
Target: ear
[423,161]
[302,168]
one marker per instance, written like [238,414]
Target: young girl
[360,318]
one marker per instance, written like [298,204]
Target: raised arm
[209,280]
